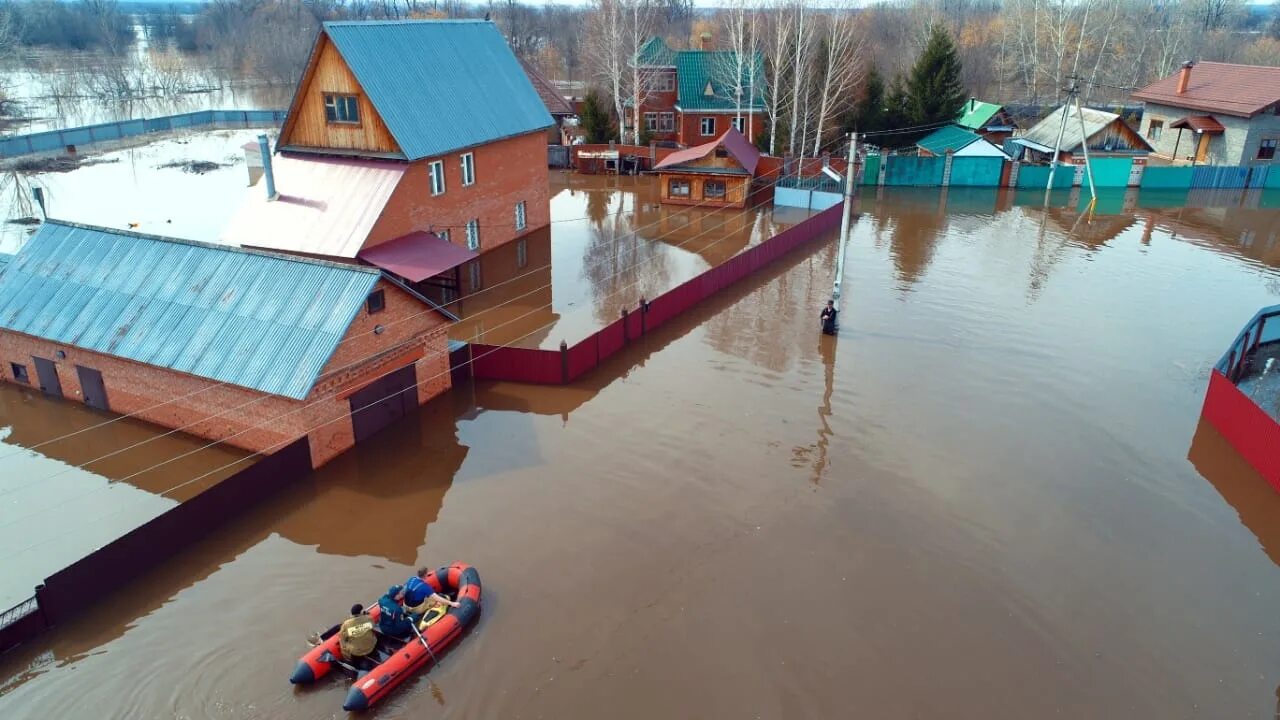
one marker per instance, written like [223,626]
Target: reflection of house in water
[514,305]
[1250,232]
[912,222]
[715,236]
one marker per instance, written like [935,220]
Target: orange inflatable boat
[394,660]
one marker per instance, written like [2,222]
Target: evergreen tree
[868,115]
[595,120]
[934,91]
[896,116]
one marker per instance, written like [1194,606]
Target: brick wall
[506,172]
[690,125]
[250,419]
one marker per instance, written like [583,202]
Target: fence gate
[383,402]
[557,156]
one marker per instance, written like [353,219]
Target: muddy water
[74,479]
[610,243]
[989,497]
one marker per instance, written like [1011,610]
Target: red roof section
[416,256]
[733,141]
[551,97]
[1240,90]
[1201,123]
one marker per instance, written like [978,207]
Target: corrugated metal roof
[440,85]
[695,69]
[947,138]
[656,53]
[1045,132]
[417,256]
[1200,123]
[976,114]
[733,141]
[246,318]
[555,103]
[325,206]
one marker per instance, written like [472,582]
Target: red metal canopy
[1201,124]
[416,256]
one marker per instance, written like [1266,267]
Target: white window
[342,109]
[1155,129]
[678,189]
[713,189]
[708,126]
[473,234]
[436,169]
[520,215]
[651,122]
[443,235]
[468,169]
[473,272]
[740,124]
[666,122]
[522,253]
[662,82]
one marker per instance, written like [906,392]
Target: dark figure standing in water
[828,318]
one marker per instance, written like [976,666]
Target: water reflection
[1254,500]
[910,222]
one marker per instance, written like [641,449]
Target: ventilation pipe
[265,147]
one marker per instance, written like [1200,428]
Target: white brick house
[1215,113]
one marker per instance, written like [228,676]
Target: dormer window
[342,109]
[708,90]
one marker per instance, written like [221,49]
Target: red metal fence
[563,366]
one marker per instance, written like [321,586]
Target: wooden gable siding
[1119,135]
[307,126]
[712,161]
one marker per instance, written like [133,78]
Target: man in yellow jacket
[356,637]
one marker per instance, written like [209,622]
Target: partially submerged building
[989,120]
[959,142]
[425,133]
[692,96]
[249,348]
[715,174]
[1106,134]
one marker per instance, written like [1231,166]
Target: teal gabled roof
[947,138]
[976,114]
[700,70]
[656,53]
[243,317]
[440,85]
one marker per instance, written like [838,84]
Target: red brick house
[691,95]
[426,133]
[244,347]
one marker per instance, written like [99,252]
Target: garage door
[385,401]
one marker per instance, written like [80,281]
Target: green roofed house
[989,120]
[958,141]
[694,96]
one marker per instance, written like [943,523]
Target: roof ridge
[406,21]
[210,246]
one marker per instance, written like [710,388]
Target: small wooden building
[717,174]
[1106,133]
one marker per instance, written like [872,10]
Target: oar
[413,624]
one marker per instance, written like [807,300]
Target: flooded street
[990,497]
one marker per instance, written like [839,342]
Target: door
[383,402]
[92,387]
[47,375]
[1202,150]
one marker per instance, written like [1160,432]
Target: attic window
[708,90]
[377,302]
[342,109]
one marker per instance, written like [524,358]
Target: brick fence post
[626,331]
[564,363]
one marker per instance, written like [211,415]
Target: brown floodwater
[991,496]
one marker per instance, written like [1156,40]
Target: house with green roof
[959,142]
[989,120]
[694,96]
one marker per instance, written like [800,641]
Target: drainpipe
[265,147]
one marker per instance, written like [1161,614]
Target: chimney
[973,103]
[265,147]
[706,40]
[1184,77]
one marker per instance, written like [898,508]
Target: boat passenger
[356,638]
[392,620]
[419,597]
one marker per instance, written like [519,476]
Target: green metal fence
[976,171]
[911,171]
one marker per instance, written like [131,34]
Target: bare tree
[606,50]
[841,68]
[799,78]
[779,49]
[640,28]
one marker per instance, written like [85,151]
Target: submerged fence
[90,579]
[563,366]
[74,138]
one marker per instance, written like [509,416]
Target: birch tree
[800,54]
[841,69]
[641,15]
[779,50]
[617,30]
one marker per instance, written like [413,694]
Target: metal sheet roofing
[247,318]
[1045,132]
[976,114]
[417,256]
[1200,123]
[947,138]
[696,69]
[1227,88]
[324,207]
[440,85]
[555,103]
[656,53]
[733,141]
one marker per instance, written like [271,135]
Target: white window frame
[1155,128]
[345,108]
[435,170]
[724,189]
[666,122]
[468,162]
[705,123]
[522,216]
[651,122]
[739,123]
[662,82]
[473,234]
[685,184]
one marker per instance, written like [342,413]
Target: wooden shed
[717,174]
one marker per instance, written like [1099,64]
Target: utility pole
[845,218]
[1084,144]
[1057,146]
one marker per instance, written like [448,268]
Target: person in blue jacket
[393,621]
[419,596]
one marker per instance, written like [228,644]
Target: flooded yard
[990,496]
